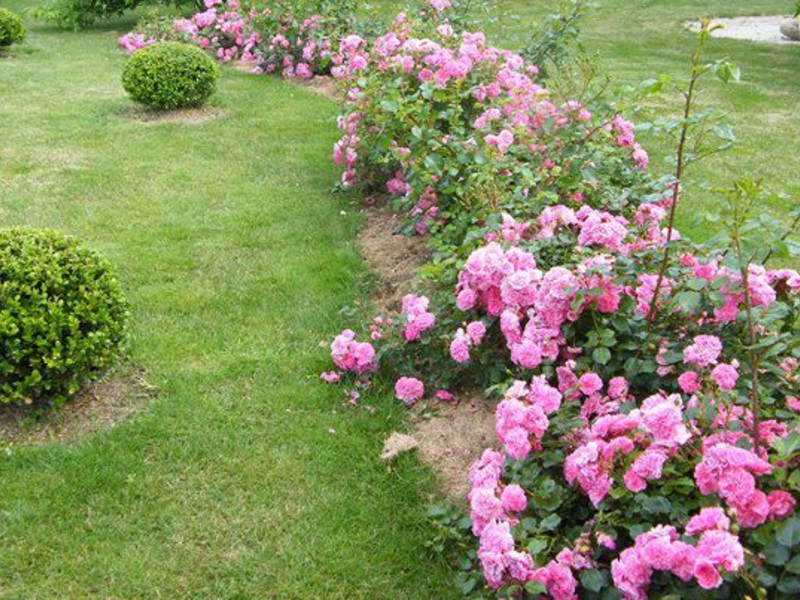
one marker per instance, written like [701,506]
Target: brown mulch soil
[393,257]
[453,438]
[324,85]
[453,435]
[101,405]
[188,116]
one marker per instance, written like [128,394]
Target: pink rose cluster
[522,415]
[351,355]
[730,472]
[417,316]
[287,44]
[605,279]
[533,306]
[299,48]
[657,428]
[133,41]
[625,138]
[516,110]
[717,551]
[464,340]
[493,510]
[703,353]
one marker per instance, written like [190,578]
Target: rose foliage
[648,423]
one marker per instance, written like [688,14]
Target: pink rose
[689,382]
[781,505]
[589,383]
[725,376]
[409,390]
[513,498]
[707,575]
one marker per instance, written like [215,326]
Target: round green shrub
[12,31]
[62,316]
[169,75]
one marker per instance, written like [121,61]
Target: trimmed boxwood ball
[12,30]
[62,316]
[169,75]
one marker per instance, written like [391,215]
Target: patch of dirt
[101,405]
[187,116]
[394,257]
[773,118]
[450,438]
[453,438]
[324,85]
[245,66]
[754,29]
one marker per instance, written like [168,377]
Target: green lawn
[245,478]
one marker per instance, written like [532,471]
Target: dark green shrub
[62,316]
[170,75]
[12,31]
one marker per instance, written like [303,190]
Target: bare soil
[452,436]
[324,85]
[393,257]
[187,116]
[101,405]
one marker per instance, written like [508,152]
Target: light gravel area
[755,29]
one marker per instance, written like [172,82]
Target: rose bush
[294,42]
[649,415]
[457,130]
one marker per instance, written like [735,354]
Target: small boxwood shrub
[12,31]
[170,75]
[62,316]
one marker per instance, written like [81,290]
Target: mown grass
[245,478]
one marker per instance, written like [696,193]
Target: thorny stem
[752,338]
[679,168]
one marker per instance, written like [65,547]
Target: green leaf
[467,586]
[534,587]
[437,511]
[789,533]
[536,545]
[655,505]
[688,301]
[697,284]
[776,554]
[793,566]
[794,480]
[593,580]
[529,524]
[550,523]
[767,579]
[390,106]
[727,71]
[789,585]
[787,446]
[601,355]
